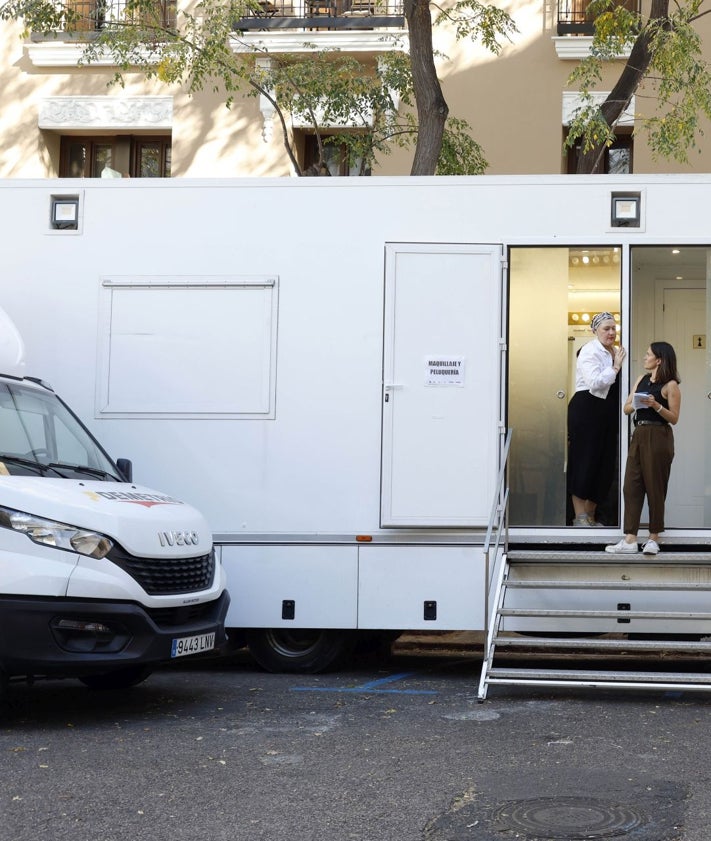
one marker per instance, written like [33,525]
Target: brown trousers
[647,473]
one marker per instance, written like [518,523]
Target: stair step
[603,645]
[601,614]
[600,556]
[590,676]
[573,584]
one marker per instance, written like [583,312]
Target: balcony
[322,15]
[95,15]
[574,17]
[277,26]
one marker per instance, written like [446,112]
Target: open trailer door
[442,384]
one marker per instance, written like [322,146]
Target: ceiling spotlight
[575,261]
[586,259]
[586,316]
[575,316]
[675,250]
[596,259]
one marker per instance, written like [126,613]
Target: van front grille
[167,576]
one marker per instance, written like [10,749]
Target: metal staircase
[591,619]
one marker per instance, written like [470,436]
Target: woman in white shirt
[593,420]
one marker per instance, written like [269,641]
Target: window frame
[93,143]
[624,139]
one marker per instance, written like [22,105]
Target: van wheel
[118,679]
[299,651]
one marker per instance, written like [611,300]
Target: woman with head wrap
[593,420]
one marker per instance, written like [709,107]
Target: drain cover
[564,804]
[568,818]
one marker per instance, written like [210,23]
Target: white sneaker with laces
[651,547]
[622,547]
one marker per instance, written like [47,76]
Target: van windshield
[39,436]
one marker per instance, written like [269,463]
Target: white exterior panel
[321,581]
[430,588]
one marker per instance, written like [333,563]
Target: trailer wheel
[119,679]
[300,650]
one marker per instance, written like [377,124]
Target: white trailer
[327,369]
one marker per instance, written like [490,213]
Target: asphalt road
[396,751]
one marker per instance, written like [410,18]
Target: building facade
[62,118]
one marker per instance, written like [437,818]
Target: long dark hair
[667,370]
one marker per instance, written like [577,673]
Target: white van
[100,579]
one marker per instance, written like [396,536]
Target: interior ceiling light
[581,257]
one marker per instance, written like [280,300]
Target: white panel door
[441,390]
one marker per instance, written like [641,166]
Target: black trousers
[592,445]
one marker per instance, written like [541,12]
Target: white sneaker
[651,547]
[581,521]
[622,547]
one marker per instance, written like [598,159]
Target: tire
[119,679]
[299,651]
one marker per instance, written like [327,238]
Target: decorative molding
[62,54]
[576,47]
[572,101]
[294,41]
[69,53]
[106,112]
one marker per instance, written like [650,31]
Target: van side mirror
[125,465]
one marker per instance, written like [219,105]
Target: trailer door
[441,384]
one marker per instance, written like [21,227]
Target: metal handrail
[501,497]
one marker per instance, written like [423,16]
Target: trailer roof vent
[64,213]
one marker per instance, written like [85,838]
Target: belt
[650,423]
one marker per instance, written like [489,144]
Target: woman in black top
[658,398]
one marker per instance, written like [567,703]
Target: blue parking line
[370,687]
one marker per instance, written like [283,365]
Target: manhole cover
[569,818]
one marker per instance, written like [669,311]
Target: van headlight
[58,535]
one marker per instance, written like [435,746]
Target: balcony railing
[322,14]
[95,15]
[574,17]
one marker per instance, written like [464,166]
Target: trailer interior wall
[286,460]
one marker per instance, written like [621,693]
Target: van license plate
[192,645]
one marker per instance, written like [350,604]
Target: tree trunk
[432,108]
[626,86]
